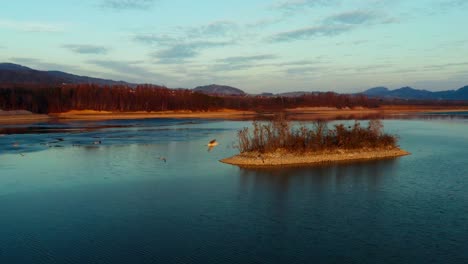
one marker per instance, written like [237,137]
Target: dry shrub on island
[280,134]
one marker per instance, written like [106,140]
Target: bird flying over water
[213,143]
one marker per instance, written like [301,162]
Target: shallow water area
[149,191]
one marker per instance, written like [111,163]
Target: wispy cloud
[352,17]
[179,52]
[303,63]
[305,33]
[126,67]
[290,5]
[454,3]
[31,26]
[151,39]
[131,70]
[334,25]
[176,53]
[248,59]
[445,66]
[128,4]
[242,62]
[302,70]
[184,43]
[42,65]
[352,42]
[264,22]
[86,49]
[218,30]
[213,29]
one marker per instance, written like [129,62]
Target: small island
[279,143]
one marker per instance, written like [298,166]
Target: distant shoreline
[254,159]
[304,113]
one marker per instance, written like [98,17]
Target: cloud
[187,42]
[305,33]
[445,66]
[454,3]
[86,49]
[125,67]
[214,31]
[302,70]
[179,52]
[175,53]
[352,18]
[316,61]
[241,62]
[352,42]
[30,26]
[334,25]
[217,28]
[290,5]
[265,22]
[155,39]
[45,66]
[130,70]
[248,59]
[128,4]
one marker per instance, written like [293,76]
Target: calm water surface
[65,199]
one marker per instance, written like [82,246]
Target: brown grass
[280,134]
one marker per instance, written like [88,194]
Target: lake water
[65,198]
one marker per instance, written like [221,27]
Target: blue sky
[256,45]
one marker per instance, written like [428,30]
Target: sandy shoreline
[103,115]
[23,119]
[287,159]
[304,113]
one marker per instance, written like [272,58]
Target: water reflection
[367,116]
[318,178]
[283,193]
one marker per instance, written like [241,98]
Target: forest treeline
[43,99]
[40,98]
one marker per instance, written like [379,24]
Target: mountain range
[17,74]
[410,93]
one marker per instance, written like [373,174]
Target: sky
[256,45]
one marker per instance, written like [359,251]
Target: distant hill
[411,93]
[376,91]
[215,89]
[17,74]
[11,73]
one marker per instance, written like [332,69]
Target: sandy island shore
[279,158]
